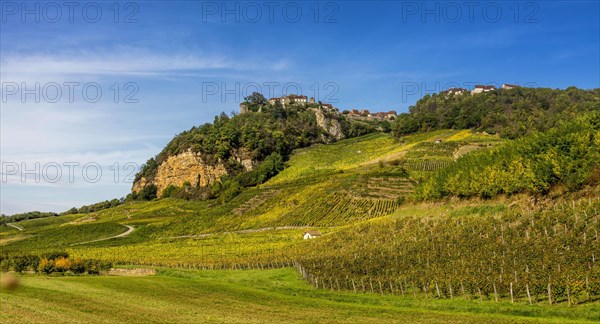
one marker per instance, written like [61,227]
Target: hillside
[323,186]
[363,194]
[239,151]
[511,113]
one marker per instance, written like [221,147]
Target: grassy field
[176,296]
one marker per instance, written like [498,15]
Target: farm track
[14,226]
[240,231]
[130,229]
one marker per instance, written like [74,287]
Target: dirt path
[240,231]
[14,226]
[126,233]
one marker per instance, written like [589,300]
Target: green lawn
[259,296]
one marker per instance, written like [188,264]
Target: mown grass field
[253,296]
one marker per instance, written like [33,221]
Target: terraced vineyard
[389,187]
[254,202]
[427,166]
[337,209]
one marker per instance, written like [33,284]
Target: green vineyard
[427,166]
[337,209]
[548,254]
[254,202]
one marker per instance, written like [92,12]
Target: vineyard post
[450,289]
[587,287]
[568,294]
[380,287]
[528,294]
[414,290]
[353,285]
[391,287]
[549,295]
[496,292]
[462,288]
[480,295]
[437,288]
[371,283]
[512,299]
[362,284]
[402,287]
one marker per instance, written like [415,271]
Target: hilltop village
[362,114]
[302,100]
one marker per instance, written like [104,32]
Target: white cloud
[122,61]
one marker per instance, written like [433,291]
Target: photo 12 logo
[69,11]
[470,11]
[54,172]
[270,11]
[236,91]
[69,92]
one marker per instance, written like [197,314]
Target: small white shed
[311,234]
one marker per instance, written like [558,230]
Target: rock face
[181,168]
[330,125]
[189,167]
[139,185]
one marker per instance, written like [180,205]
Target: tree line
[509,113]
[567,155]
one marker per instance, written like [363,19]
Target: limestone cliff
[139,184]
[330,125]
[191,168]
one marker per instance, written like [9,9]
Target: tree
[256,98]
[405,124]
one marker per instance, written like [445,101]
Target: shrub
[62,264]
[168,191]
[46,266]
[77,266]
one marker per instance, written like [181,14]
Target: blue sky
[163,67]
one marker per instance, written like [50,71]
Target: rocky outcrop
[139,184]
[330,125]
[244,158]
[189,167]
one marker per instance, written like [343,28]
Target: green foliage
[94,207]
[255,101]
[46,239]
[25,216]
[147,193]
[52,262]
[566,155]
[270,167]
[168,191]
[510,113]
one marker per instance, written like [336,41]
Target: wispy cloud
[122,61]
